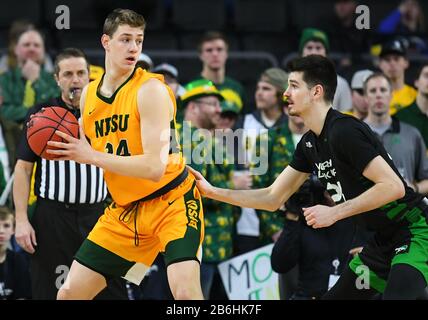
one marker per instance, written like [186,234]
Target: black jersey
[339,156]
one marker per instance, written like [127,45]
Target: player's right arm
[270,198]
[24,232]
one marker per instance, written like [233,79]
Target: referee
[70,195]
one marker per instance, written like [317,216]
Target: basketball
[42,126]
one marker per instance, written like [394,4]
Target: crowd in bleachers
[226,64]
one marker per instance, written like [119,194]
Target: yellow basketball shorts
[171,224]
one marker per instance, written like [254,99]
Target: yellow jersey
[402,98]
[113,125]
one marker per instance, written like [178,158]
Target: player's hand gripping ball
[42,126]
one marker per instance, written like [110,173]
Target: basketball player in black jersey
[361,179]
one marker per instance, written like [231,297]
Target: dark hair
[121,17]
[69,53]
[376,75]
[211,36]
[316,69]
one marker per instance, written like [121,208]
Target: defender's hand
[205,188]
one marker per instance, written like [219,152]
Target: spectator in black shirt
[14,273]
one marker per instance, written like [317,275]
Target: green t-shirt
[13,86]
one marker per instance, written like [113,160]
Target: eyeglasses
[208,103]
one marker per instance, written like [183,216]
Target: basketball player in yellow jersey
[128,117]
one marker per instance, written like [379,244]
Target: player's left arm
[387,187]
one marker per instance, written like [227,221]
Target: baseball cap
[359,78]
[230,106]
[145,61]
[312,34]
[395,46]
[199,88]
[166,68]
[276,77]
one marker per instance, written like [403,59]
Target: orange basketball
[42,126]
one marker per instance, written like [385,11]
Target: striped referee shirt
[69,182]
[63,181]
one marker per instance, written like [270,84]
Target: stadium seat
[260,15]
[19,10]
[81,40]
[247,68]
[158,40]
[82,16]
[190,40]
[277,44]
[199,15]
[307,13]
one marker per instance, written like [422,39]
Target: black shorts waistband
[174,183]
[65,205]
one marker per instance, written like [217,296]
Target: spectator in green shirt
[417,113]
[213,52]
[28,83]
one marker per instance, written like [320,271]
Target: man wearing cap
[201,148]
[315,41]
[145,62]
[170,74]
[229,115]
[403,142]
[393,62]
[213,53]
[359,103]
[417,113]
[269,114]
